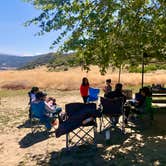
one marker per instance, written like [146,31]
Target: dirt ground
[143,144]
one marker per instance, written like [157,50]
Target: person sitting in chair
[53,108]
[32,97]
[32,94]
[41,110]
[108,88]
[141,103]
[117,93]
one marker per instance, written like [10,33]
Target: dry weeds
[71,79]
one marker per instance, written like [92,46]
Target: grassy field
[71,79]
[143,144]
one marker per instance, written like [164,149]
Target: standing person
[84,89]
[108,88]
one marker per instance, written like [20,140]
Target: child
[52,106]
[51,102]
[108,88]
[84,89]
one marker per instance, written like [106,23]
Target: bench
[159,98]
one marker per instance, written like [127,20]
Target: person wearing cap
[32,97]
[32,94]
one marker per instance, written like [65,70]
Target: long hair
[85,81]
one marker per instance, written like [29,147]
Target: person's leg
[85,99]
[127,111]
[47,122]
[58,110]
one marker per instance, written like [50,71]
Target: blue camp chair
[93,94]
[38,117]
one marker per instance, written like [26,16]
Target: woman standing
[84,89]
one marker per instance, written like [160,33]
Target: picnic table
[159,97]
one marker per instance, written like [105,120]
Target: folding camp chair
[82,134]
[111,109]
[38,122]
[36,125]
[146,111]
[93,94]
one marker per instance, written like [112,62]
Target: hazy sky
[17,39]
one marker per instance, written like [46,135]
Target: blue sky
[14,37]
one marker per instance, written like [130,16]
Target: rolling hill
[20,62]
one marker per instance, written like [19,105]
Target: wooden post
[142,71]
[145,55]
[119,74]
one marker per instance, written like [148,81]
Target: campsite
[141,145]
[83,83]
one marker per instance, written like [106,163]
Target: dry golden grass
[71,79]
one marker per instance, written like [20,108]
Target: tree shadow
[144,145]
[134,148]
[33,138]
[116,136]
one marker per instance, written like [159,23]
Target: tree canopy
[105,32]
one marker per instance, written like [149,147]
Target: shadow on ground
[144,144]
[26,124]
[33,138]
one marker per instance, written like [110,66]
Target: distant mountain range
[27,62]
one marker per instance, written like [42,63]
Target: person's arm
[48,109]
[105,89]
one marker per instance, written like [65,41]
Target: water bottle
[107,137]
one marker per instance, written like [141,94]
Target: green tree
[105,32]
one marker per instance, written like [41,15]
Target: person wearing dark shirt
[140,102]
[108,88]
[117,93]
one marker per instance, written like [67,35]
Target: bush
[147,68]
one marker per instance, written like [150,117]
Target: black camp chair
[76,132]
[111,109]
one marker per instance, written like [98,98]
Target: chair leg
[67,141]
[94,132]
[101,121]
[123,123]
